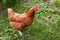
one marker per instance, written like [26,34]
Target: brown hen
[20,21]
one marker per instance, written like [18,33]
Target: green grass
[46,24]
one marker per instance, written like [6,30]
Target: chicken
[20,21]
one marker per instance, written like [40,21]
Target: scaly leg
[20,33]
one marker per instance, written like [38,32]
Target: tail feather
[10,13]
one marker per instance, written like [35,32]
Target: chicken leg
[20,33]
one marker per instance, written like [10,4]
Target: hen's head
[36,7]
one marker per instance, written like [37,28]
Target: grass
[46,24]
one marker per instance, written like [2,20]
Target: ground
[46,24]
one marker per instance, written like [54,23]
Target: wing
[19,17]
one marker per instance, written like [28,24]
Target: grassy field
[46,24]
